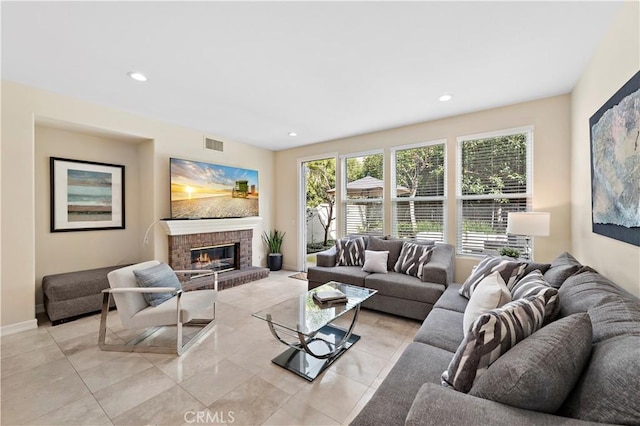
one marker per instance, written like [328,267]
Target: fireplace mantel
[202,226]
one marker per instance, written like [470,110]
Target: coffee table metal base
[305,365]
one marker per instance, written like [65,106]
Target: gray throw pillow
[160,275]
[509,269]
[532,266]
[350,251]
[490,336]
[392,246]
[412,259]
[539,372]
[608,389]
[562,268]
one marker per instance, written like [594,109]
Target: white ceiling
[253,72]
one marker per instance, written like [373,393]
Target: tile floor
[58,376]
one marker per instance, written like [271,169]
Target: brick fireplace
[180,246]
[183,236]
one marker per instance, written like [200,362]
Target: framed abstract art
[615,165]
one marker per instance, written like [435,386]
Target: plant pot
[274,261]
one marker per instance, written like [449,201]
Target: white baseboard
[18,327]
[40,308]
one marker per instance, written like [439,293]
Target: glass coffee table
[316,342]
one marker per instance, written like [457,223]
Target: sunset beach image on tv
[203,190]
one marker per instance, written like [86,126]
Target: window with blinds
[419,191]
[363,194]
[493,179]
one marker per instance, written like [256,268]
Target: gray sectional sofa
[398,294]
[605,390]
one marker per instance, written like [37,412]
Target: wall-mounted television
[211,191]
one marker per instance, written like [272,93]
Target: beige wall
[616,60]
[59,252]
[551,187]
[22,108]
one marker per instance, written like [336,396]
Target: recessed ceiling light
[293,134]
[445,98]
[138,76]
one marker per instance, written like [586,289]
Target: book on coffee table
[330,296]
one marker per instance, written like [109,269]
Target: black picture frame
[615,135]
[86,195]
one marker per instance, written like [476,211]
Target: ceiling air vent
[213,144]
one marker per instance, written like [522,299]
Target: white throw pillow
[490,293]
[375,261]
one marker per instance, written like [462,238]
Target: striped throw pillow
[350,252]
[534,284]
[412,259]
[490,336]
[509,269]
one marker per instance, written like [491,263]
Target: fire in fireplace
[217,258]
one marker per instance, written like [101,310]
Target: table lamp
[528,224]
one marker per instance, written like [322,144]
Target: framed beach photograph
[86,196]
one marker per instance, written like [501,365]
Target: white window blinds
[419,191]
[363,194]
[494,178]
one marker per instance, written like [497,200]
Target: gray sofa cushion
[442,329]
[389,405]
[404,287]
[353,275]
[532,266]
[435,405]
[452,300]
[392,246]
[609,388]
[401,307]
[326,258]
[441,267]
[562,268]
[539,372]
[613,310]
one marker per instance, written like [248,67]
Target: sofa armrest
[326,258]
[437,405]
[440,269]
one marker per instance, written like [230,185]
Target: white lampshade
[528,223]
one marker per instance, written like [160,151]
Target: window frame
[343,189]
[394,184]
[529,131]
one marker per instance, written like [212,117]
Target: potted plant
[509,251]
[273,240]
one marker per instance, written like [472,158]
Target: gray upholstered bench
[70,295]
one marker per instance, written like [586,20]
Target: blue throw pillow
[157,276]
